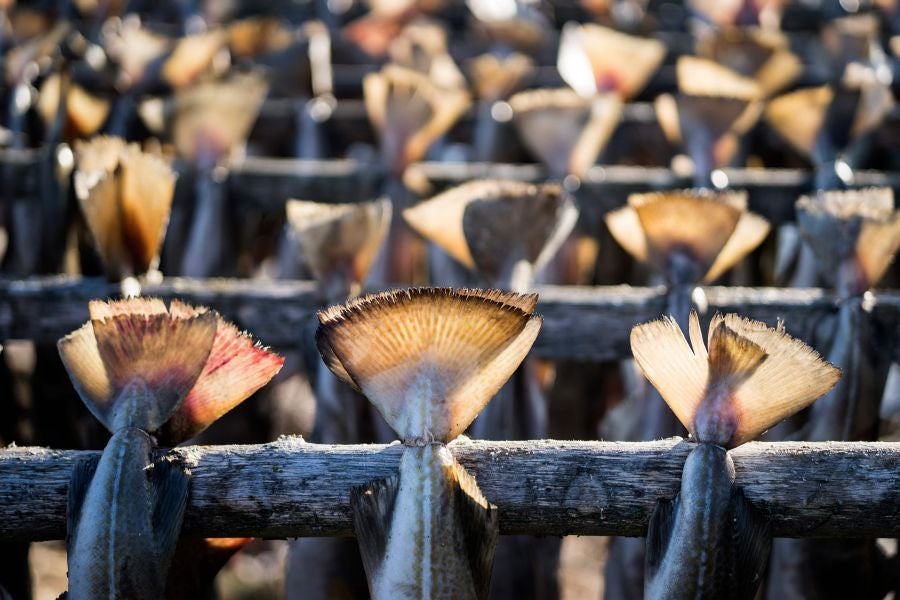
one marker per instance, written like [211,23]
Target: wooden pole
[291,488]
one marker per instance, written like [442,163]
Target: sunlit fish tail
[429,360]
[709,541]
[125,195]
[339,242]
[505,231]
[714,107]
[143,370]
[565,131]
[690,236]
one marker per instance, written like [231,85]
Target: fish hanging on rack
[429,360]
[709,541]
[125,195]
[149,374]
[713,109]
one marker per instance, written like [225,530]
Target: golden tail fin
[760,54]
[714,98]
[565,131]
[429,359]
[410,112]
[125,195]
[133,364]
[751,378]
[258,35]
[857,225]
[339,242]
[596,59]
[749,233]
[799,116]
[697,223]
[236,368]
[488,225]
[215,117]
[422,47]
[495,78]
[192,56]
[133,47]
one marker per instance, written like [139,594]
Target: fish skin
[118,551]
[707,543]
[423,551]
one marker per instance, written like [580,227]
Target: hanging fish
[565,131]
[125,195]
[713,109]
[709,541]
[429,360]
[494,79]
[689,237]
[148,374]
[854,235]
[594,59]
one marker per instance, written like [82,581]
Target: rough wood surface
[589,323]
[290,488]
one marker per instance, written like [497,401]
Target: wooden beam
[586,323]
[290,488]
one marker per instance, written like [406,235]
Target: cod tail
[429,359]
[751,378]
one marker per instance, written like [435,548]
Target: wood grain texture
[585,323]
[291,488]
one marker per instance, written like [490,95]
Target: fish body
[117,551]
[711,555]
[425,530]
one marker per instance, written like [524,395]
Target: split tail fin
[751,378]
[133,349]
[428,358]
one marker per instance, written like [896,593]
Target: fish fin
[160,354]
[706,78]
[410,112]
[333,363]
[595,59]
[859,224]
[191,56]
[697,222]
[659,533]
[213,118]
[87,113]
[406,348]
[372,33]
[512,222]
[372,506]
[480,528]
[339,242]
[781,69]
[235,369]
[799,116]
[170,484]
[751,542]
[668,362]
[625,226]
[495,78]
[440,219]
[666,108]
[750,231]
[790,379]
[82,474]
[565,131]
[81,358]
[732,358]
[147,189]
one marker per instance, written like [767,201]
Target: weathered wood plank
[589,323]
[290,488]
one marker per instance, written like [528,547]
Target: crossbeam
[290,488]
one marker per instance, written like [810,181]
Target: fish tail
[429,359]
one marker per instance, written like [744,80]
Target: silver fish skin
[698,552]
[114,553]
[425,553]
